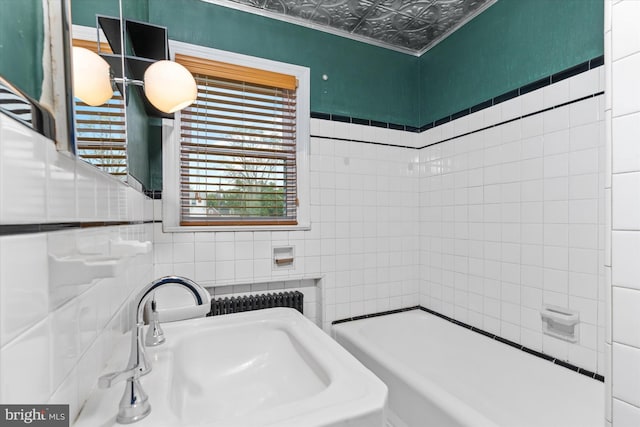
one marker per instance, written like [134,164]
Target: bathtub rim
[525,349]
[447,402]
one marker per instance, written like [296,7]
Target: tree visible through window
[238,147]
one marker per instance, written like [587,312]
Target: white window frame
[171,143]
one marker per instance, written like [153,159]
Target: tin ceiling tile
[405,24]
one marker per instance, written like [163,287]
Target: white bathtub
[440,374]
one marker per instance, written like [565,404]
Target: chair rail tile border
[47,227]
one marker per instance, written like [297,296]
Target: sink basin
[251,368]
[262,368]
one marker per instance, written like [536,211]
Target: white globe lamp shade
[91,77]
[169,86]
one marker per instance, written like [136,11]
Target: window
[241,147]
[101,131]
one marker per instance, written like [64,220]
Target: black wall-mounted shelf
[144,44]
[147,41]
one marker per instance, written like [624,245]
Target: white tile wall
[362,242]
[622,52]
[56,333]
[510,219]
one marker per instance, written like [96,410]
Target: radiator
[228,305]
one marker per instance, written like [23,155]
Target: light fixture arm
[128,81]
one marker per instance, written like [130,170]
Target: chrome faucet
[134,404]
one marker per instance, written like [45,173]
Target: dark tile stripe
[153,194]
[460,114]
[481,106]
[426,127]
[368,316]
[357,121]
[596,62]
[322,116]
[538,84]
[570,72]
[379,124]
[361,141]
[442,121]
[506,96]
[343,119]
[510,343]
[16,229]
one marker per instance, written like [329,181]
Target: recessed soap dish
[560,322]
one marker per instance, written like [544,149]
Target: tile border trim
[504,122]
[529,87]
[362,141]
[47,227]
[495,337]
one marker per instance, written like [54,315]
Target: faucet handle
[106,381]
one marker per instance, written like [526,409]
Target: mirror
[24,18]
[32,63]
[101,134]
[36,62]
[130,127]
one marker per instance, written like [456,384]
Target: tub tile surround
[57,330]
[622,52]
[512,217]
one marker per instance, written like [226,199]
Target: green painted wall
[83,12]
[21,44]
[136,9]
[364,81]
[512,43]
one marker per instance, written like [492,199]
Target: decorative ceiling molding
[403,25]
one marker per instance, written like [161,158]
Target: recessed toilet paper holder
[560,322]
[283,257]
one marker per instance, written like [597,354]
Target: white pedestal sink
[261,368]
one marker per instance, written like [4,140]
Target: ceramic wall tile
[533,225]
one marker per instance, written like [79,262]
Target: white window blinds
[238,147]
